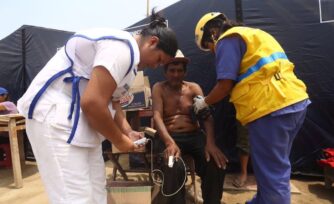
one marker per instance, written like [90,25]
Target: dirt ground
[312,191]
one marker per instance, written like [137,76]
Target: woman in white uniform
[73,104]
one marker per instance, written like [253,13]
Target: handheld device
[141,141]
[170,161]
[158,176]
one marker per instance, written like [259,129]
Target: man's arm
[171,147]
[210,148]
[229,54]
[94,103]
[220,91]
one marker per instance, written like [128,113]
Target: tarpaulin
[304,28]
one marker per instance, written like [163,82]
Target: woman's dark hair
[158,28]
[222,23]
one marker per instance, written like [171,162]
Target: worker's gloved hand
[199,104]
[203,114]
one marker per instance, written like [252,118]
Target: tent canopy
[24,52]
[306,36]
[303,31]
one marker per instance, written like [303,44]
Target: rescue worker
[73,104]
[253,68]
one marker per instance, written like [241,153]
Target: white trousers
[71,174]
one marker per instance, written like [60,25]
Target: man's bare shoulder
[159,85]
[192,85]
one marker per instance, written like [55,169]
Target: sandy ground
[312,191]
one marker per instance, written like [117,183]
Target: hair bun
[157,20]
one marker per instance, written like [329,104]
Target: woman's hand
[134,136]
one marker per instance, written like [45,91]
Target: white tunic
[86,54]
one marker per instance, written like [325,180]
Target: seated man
[180,133]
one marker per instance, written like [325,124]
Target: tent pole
[238,11]
[147,7]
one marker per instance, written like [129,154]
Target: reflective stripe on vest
[75,83]
[262,62]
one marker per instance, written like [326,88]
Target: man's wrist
[210,142]
[169,142]
[128,131]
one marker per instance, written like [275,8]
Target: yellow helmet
[199,31]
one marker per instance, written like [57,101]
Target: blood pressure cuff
[201,115]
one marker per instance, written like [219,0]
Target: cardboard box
[124,194]
[139,94]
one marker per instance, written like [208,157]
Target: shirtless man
[179,132]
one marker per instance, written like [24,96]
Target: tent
[304,30]
[24,52]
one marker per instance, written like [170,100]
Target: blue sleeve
[229,53]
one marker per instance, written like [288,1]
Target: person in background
[72,105]
[180,134]
[6,106]
[269,99]
[243,152]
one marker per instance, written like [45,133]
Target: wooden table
[14,124]
[115,154]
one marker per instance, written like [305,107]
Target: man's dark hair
[222,23]
[166,67]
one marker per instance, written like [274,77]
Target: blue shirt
[229,53]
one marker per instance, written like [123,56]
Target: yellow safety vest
[266,81]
